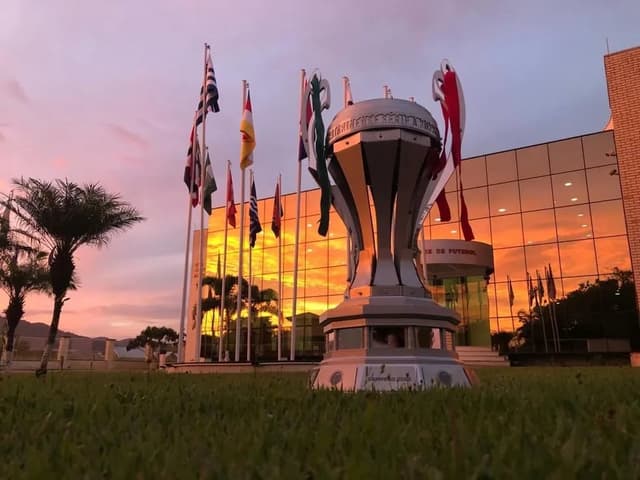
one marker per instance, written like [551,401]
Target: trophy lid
[382,113]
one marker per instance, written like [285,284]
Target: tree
[158,337]
[22,270]
[64,216]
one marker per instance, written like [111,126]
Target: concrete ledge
[271,367]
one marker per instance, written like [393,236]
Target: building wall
[623,82]
[550,204]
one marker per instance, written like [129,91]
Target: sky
[105,92]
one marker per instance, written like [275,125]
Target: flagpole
[224,267]
[185,277]
[279,269]
[202,242]
[241,241]
[345,82]
[296,248]
[249,289]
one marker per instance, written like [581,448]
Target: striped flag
[192,168]
[231,206]
[209,185]
[278,213]
[254,220]
[208,93]
[248,136]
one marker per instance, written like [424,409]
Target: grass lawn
[519,423]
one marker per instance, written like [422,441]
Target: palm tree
[22,270]
[63,216]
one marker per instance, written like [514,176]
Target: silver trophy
[388,333]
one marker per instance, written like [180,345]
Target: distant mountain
[39,329]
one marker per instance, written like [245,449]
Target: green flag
[209,185]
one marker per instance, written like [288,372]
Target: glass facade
[554,204]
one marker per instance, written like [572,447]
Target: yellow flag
[248,137]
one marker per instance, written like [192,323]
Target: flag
[192,168]
[278,212]
[443,207]
[231,206]
[551,286]
[254,220]
[511,295]
[348,96]
[465,225]
[540,287]
[248,137]
[532,291]
[302,149]
[209,185]
[208,93]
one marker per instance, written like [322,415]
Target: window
[474,172]
[574,223]
[507,231]
[533,161]
[540,256]
[602,184]
[509,261]
[477,202]
[539,227]
[578,258]
[599,149]
[613,252]
[427,337]
[535,194]
[388,337]
[504,198]
[481,230]
[349,338]
[501,167]
[331,341]
[608,218]
[566,155]
[569,188]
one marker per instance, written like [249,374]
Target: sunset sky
[105,92]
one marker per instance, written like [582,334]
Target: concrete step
[481,357]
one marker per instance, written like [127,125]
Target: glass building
[556,204]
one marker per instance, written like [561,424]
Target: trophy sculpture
[386,159]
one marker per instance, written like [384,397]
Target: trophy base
[391,373]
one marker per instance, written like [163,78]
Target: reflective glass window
[603,185]
[520,302]
[533,161]
[573,223]
[504,198]
[452,200]
[270,260]
[316,254]
[289,205]
[506,230]
[566,155]
[613,252]
[315,282]
[445,230]
[539,227]
[474,172]
[349,338]
[599,149]
[337,280]
[509,261]
[388,337]
[312,202]
[569,188]
[571,284]
[427,337]
[452,183]
[477,201]
[578,258]
[337,251]
[608,218]
[501,167]
[540,256]
[535,194]
[481,230]
[336,226]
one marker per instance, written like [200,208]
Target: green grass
[520,423]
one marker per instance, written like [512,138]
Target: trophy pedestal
[390,343]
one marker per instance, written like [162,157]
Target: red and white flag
[231,206]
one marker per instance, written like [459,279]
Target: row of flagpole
[197,180]
[536,294]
